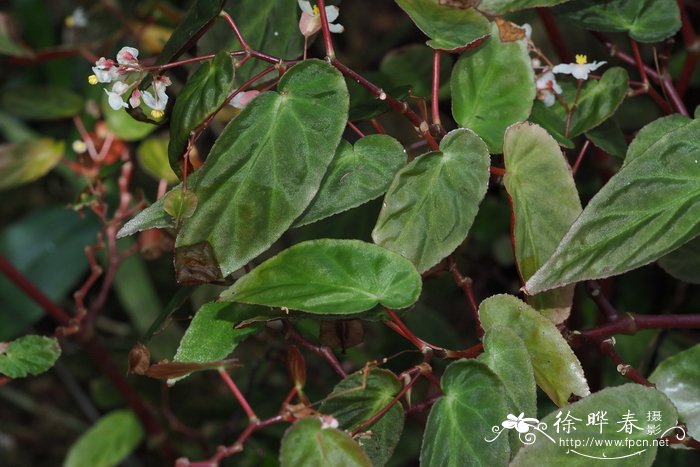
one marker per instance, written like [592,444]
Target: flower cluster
[310,22]
[126,74]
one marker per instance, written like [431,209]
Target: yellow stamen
[70,21]
[92,79]
[157,114]
[581,59]
[79,146]
[316,10]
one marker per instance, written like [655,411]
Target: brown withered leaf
[343,333]
[296,411]
[196,264]
[296,367]
[139,359]
[167,370]
[509,32]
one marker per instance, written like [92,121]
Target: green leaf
[268,25]
[267,165]
[40,102]
[557,370]
[212,334]
[655,131]
[647,21]
[506,354]
[684,263]
[8,45]
[108,442]
[124,125]
[597,101]
[203,94]
[356,175]
[197,20]
[28,355]
[549,120]
[474,401]
[646,210]
[27,161]
[359,397]
[152,155]
[499,7]
[308,444]
[39,244]
[492,88]
[450,29]
[601,445]
[412,66]
[545,203]
[608,136]
[330,277]
[432,202]
[678,377]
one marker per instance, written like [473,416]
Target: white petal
[556,88]
[125,55]
[509,424]
[332,13]
[306,7]
[148,99]
[119,88]
[115,101]
[528,30]
[565,68]
[522,427]
[336,28]
[580,71]
[595,65]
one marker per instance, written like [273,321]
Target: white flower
[310,22]
[105,71]
[328,421]
[159,99]
[528,30]
[520,423]
[580,69]
[547,88]
[135,99]
[77,19]
[128,56]
[241,100]
[115,96]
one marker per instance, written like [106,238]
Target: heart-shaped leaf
[432,202]
[202,95]
[609,137]
[359,397]
[646,210]
[308,443]
[450,29]
[28,355]
[267,165]
[492,88]
[474,400]
[356,175]
[557,370]
[647,21]
[330,277]
[41,102]
[545,203]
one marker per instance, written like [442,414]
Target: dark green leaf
[28,355]
[25,162]
[330,277]
[212,334]
[449,28]
[197,20]
[557,370]
[8,45]
[645,21]
[364,105]
[474,401]
[545,203]
[549,120]
[678,377]
[40,102]
[506,354]
[499,7]
[267,165]
[359,397]
[492,88]
[356,175]
[684,263]
[608,136]
[432,202]
[203,94]
[108,442]
[308,443]
[152,155]
[46,241]
[412,66]
[605,444]
[648,209]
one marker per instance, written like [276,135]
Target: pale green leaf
[28,355]
[308,443]
[432,202]
[124,125]
[330,277]
[152,155]
[27,161]
[557,370]
[492,88]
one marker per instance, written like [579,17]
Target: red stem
[584,150]
[235,29]
[631,324]
[465,283]
[638,61]
[239,395]
[555,36]
[327,41]
[435,103]
[354,128]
